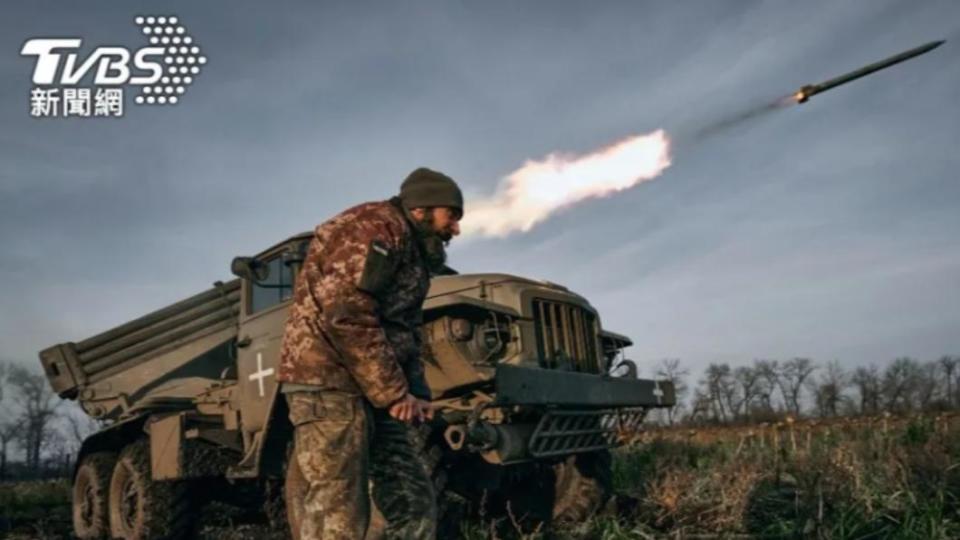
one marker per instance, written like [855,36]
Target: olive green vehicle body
[517,369]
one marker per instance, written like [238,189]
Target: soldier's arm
[351,311]
[416,378]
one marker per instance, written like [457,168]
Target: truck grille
[573,431]
[566,336]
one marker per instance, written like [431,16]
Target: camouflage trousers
[341,444]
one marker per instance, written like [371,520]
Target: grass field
[883,477]
[857,478]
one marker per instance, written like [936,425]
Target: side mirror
[625,368]
[249,268]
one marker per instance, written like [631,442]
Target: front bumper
[535,386]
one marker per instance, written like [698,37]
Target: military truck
[519,369]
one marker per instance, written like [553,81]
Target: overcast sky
[828,230]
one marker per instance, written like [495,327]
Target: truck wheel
[142,508]
[584,483]
[91,520]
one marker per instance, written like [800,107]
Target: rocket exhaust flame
[530,194]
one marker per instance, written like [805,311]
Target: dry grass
[879,477]
[883,477]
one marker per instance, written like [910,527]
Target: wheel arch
[112,438]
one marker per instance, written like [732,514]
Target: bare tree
[80,426]
[719,387]
[701,406]
[867,382]
[769,372]
[38,403]
[900,384]
[927,388]
[828,389]
[9,431]
[793,375]
[9,428]
[4,377]
[670,370]
[949,366]
[750,386]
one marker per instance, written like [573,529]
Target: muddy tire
[584,484]
[91,485]
[142,508]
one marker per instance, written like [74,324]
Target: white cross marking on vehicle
[658,392]
[261,373]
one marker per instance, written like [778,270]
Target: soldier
[350,360]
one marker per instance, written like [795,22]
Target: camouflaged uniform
[353,340]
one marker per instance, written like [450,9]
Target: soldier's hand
[410,408]
[406,409]
[426,410]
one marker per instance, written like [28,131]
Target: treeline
[767,390]
[39,432]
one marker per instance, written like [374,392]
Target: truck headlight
[461,329]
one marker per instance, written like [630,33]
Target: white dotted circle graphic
[194,70]
[174,20]
[176,80]
[191,60]
[202,60]
[161,100]
[181,89]
[187,80]
[147,30]
[138,20]
[151,20]
[176,39]
[168,60]
[162,20]
[188,40]
[151,99]
[183,50]
[164,79]
[168,30]
[173,99]
[147,90]
[168,89]
[139,100]
[181,30]
[184,70]
[154,40]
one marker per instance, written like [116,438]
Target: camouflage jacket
[357,307]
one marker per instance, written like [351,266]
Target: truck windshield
[277,288]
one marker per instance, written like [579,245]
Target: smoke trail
[530,194]
[743,117]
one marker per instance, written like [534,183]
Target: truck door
[266,305]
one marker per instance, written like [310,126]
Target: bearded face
[433,242]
